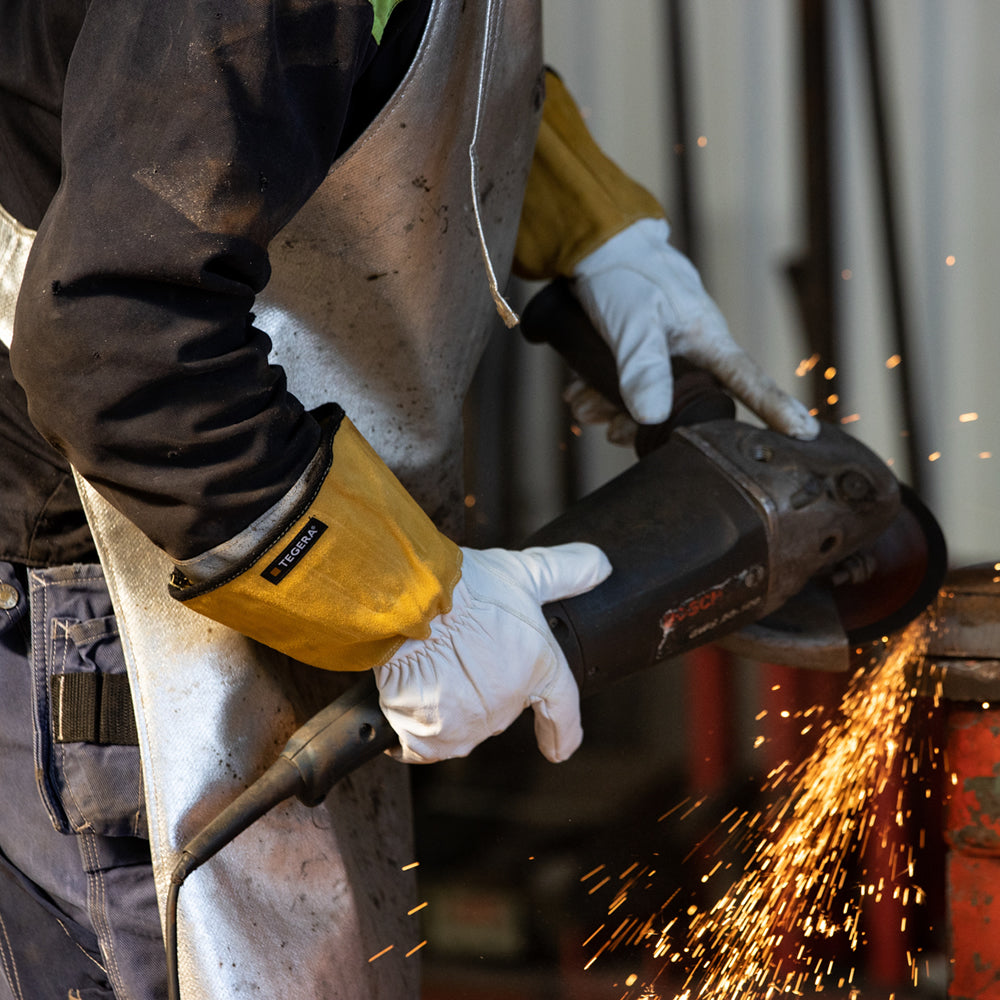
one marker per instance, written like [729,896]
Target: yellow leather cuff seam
[361,571]
[576,198]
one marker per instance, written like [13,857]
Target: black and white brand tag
[292,553]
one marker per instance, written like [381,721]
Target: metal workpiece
[964,648]
[963,660]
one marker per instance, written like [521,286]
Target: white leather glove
[491,657]
[648,303]
[590,406]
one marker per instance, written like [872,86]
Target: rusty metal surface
[972,820]
[972,832]
[964,651]
[974,910]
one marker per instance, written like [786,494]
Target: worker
[251,284]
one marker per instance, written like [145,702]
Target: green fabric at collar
[382,10]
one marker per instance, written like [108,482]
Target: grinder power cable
[783,550]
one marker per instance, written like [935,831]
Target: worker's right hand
[648,303]
[491,656]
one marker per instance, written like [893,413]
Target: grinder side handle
[555,317]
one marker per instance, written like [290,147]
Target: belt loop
[93,708]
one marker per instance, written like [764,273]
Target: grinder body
[714,529]
[688,549]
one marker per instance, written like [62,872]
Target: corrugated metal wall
[943,102]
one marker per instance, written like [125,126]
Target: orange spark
[807,365]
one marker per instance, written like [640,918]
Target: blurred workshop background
[830,165]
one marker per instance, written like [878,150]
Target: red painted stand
[972,832]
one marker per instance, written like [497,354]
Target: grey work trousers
[78,913]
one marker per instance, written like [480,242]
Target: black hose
[170,940]
[335,741]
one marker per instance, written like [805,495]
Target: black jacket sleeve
[192,131]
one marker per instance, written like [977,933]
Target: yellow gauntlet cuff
[576,198]
[354,575]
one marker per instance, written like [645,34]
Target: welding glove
[590,406]
[648,303]
[355,576]
[491,656]
[584,218]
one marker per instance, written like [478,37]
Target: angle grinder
[786,551]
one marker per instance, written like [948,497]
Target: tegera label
[291,555]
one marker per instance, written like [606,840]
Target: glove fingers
[558,731]
[647,385]
[587,405]
[632,321]
[622,430]
[555,572]
[648,302]
[748,383]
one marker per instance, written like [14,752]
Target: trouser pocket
[86,753]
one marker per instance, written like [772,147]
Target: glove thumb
[560,571]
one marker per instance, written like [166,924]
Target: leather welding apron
[379,299]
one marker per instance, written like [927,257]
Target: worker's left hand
[647,301]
